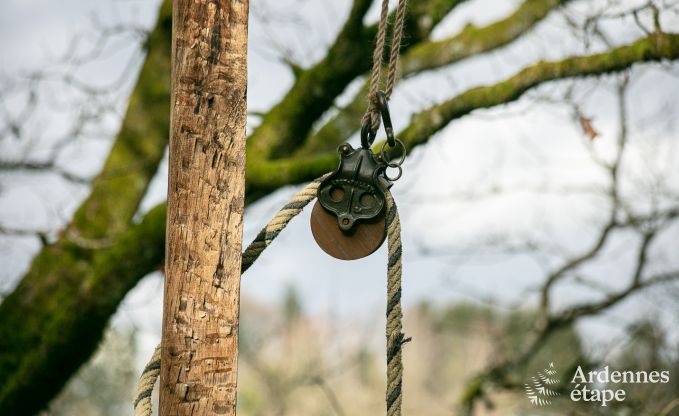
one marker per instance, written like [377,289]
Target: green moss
[472,40]
[139,147]
[265,175]
[288,124]
[423,16]
[65,314]
[423,56]
[53,320]
[249,400]
[656,47]
[472,390]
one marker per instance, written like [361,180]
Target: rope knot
[372,117]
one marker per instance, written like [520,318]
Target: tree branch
[288,123]
[546,323]
[51,323]
[500,372]
[471,41]
[266,176]
[654,48]
[613,192]
[62,315]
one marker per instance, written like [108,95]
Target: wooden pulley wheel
[365,239]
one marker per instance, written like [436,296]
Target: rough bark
[73,331]
[205,208]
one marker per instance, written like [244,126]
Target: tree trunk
[205,208]
[54,319]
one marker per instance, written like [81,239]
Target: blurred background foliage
[295,364]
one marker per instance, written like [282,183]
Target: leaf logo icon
[538,389]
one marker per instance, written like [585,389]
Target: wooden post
[205,208]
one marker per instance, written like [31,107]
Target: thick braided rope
[279,222]
[142,395]
[372,115]
[394,329]
[395,46]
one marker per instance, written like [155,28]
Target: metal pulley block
[348,220]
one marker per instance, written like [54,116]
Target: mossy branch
[266,176]
[653,48]
[58,322]
[51,323]
[139,146]
[471,41]
[286,126]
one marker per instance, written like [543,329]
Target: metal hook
[383,106]
[367,136]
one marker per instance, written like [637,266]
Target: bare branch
[35,166]
[547,322]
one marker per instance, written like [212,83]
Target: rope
[142,394]
[279,222]
[395,46]
[395,337]
[372,115]
[394,329]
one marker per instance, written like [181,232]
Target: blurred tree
[292,305]
[53,320]
[646,349]
[104,385]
